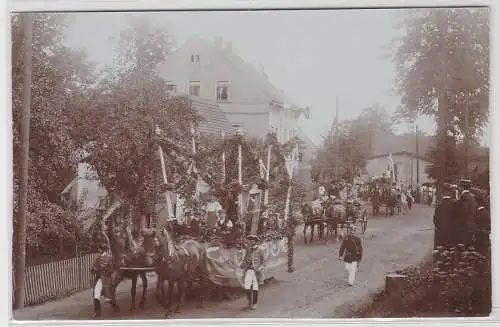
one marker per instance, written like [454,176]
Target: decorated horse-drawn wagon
[332,212]
[195,248]
[383,191]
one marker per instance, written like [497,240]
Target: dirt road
[315,290]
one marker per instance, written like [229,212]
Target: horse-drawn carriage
[384,192]
[331,213]
[183,253]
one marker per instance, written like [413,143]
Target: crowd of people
[463,217]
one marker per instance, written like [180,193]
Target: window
[222,91]
[195,58]
[194,88]
[171,87]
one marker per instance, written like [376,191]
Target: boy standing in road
[351,251]
[253,264]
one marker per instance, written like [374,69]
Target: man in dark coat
[351,251]
[483,221]
[467,211]
[445,224]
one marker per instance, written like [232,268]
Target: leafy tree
[142,44]
[124,112]
[453,160]
[344,153]
[444,49]
[57,73]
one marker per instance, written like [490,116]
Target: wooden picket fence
[58,279]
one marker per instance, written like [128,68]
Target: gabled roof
[214,120]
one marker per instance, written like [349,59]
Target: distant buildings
[405,156]
[405,167]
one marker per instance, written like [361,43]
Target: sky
[313,56]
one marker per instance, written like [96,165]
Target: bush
[457,282]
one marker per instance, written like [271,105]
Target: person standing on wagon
[253,264]
[351,251]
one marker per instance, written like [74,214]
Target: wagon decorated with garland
[131,232]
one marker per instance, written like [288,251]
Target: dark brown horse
[376,199]
[107,277]
[335,216]
[130,259]
[390,198]
[313,217]
[180,264]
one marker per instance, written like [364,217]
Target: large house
[211,70]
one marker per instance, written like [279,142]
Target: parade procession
[228,237]
[161,175]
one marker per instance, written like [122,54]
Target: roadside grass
[456,283]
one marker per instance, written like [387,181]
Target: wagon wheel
[364,222]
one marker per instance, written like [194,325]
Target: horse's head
[166,240]
[104,267]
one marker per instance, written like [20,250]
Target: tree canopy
[59,76]
[344,153]
[444,48]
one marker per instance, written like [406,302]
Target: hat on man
[253,238]
[465,183]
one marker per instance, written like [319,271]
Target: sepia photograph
[294,164]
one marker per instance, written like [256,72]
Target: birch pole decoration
[289,168]
[268,169]
[240,178]
[165,180]
[223,159]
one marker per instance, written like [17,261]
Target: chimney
[229,47]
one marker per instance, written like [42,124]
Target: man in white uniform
[253,264]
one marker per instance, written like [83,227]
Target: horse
[376,199]
[109,273]
[390,197]
[313,214]
[336,214]
[180,264]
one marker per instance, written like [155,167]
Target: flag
[391,166]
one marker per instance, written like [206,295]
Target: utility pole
[20,230]
[335,138]
[417,153]
[466,138]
